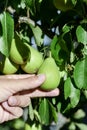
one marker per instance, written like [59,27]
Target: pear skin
[19,52]
[63,5]
[51,71]
[35,61]
[8,67]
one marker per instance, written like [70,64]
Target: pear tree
[50,37]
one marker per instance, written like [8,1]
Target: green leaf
[71,92]
[63,41]
[59,106]
[67,108]
[67,88]
[72,126]
[74,2]
[44,111]
[74,97]
[85,93]
[79,114]
[22,4]
[81,126]
[31,112]
[31,5]
[47,112]
[38,34]
[36,115]
[56,50]
[54,114]
[7,33]
[66,29]
[36,127]
[80,74]
[53,46]
[81,35]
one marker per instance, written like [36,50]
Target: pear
[8,67]
[35,61]
[51,71]
[19,52]
[63,5]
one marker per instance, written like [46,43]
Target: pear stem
[6,4]
[50,55]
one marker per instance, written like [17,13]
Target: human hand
[16,91]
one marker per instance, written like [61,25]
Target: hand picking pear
[51,71]
[8,67]
[35,61]
[19,52]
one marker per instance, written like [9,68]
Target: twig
[26,20]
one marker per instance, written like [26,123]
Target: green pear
[35,61]
[63,5]
[19,52]
[51,71]
[8,67]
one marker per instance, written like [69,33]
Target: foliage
[64,36]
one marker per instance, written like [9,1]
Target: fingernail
[41,77]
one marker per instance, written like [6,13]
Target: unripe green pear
[19,52]
[8,67]
[50,69]
[35,61]
[63,5]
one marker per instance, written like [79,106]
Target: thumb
[16,85]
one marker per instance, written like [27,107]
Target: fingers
[22,101]
[16,76]
[9,113]
[15,85]
[1,114]
[26,83]
[40,93]
[15,111]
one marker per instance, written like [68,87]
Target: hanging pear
[35,61]
[51,71]
[63,5]
[8,67]
[19,52]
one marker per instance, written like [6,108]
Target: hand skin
[16,92]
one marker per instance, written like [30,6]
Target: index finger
[41,93]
